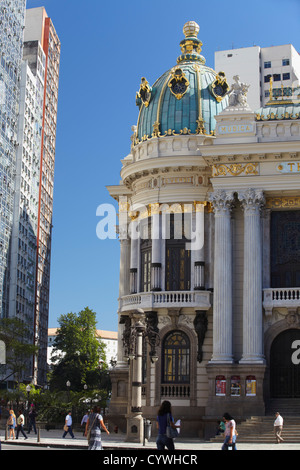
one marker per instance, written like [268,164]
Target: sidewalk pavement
[116,442]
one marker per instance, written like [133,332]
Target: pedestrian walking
[31,419]
[11,423]
[68,426]
[278,427]
[20,425]
[230,432]
[165,419]
[93,429]
[84,421]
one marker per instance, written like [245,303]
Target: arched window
[176,358]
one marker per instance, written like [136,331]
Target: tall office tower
[26,206]
[28,112]
[39,28]
[257,66]
[12,18]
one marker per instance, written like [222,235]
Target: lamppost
[68,384]
[134,348]
[28,390]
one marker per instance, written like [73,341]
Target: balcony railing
[288,297]
[149,300]
[175,391]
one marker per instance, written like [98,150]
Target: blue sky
[107,46]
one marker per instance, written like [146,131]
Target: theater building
[209,229]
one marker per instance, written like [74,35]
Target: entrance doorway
[285,365]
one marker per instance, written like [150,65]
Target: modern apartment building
[26,197]
[40,29]
[28,117]
[12,14]
[257,66]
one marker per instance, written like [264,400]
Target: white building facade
[258,65]
[209,228]
[108,338]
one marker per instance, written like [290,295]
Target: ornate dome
[186,98]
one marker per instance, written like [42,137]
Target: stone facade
[208,301]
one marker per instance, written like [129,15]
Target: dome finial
[191,29]
[191,46]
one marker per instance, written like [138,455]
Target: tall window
[178,260]
[146,255]
[176,358]
[146,269]
[285,249]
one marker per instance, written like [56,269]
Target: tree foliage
[18,346]
[78,353]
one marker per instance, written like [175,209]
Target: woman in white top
[230,432]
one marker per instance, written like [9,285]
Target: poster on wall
[235,386]
[220,386]
[250,386]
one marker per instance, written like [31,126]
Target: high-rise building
[27,176]
[40,29]
[12,17]
[261,65]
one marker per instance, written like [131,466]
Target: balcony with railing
[166,299]
[282,297]
[175,391]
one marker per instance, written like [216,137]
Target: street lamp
[28,390]
[135,423]
[68,384]
[134,348]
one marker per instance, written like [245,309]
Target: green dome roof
[186,98]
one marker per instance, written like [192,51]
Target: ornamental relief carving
[222,201]
[235,169]
[286,202]
[252,200]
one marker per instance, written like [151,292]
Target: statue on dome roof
[238,93]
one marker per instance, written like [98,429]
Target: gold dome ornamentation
[191,29]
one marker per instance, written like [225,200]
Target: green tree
[16,337]
[78,353]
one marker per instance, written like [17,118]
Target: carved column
[252,202]
[222,316]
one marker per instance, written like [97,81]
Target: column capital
[252,200]
[222,201]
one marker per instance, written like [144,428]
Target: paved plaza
[53,438]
